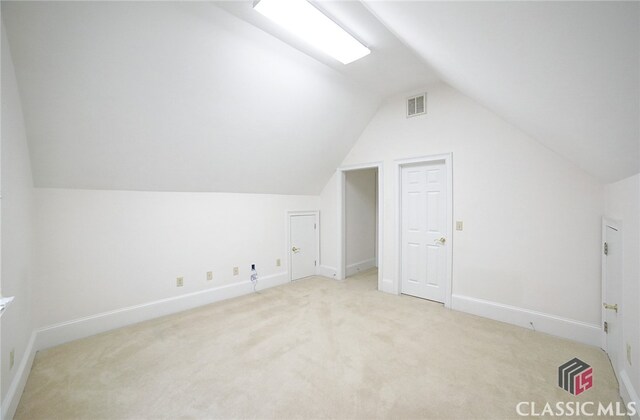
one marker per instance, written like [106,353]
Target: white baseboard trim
[11,400]
[561,327]
[355,268]
[628,392]
[326,271]
[387,286]
[64,332]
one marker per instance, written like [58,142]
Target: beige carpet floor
[316,348]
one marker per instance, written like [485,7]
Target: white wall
[623,205]
[531,235]
[100,251]
[17,220]
[360,219]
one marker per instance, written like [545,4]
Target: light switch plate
[209,275]
[459,225]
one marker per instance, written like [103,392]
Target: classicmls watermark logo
[575,376]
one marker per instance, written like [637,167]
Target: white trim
[5,302]
[388,286]
[360,266]
[11,400]
[54,335]
[341,270]
[615,224]
[628,392]
[326,271]
[582,332]
[64,332]
[447,158]
[316,214]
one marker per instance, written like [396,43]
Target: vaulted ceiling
[176,96]
[566,73]
[210,96]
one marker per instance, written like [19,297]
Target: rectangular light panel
[307,22]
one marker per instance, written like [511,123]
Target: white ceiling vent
[417,105]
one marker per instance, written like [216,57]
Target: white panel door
[424,228]
[303,250]
[612,298]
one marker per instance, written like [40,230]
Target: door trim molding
[617,225]
[290,214]
[341,269]
[447,158]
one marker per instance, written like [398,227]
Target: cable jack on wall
[254,277]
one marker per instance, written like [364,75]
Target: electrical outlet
[236,271]
[209,275]
[278,262]
[459,225]
[180,282]
[12,358]
[629,353]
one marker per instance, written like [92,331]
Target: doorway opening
[360,221]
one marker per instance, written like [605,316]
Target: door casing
[341,269]
[617,225]
[290,214]
[447,158]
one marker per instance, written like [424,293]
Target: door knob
[295,250]
[441,241]
[613,307]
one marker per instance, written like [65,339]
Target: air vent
[417,105]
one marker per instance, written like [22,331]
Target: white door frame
[447,158]
[290,214]
[341,269]
[617,225]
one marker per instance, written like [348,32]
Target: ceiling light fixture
[307,22]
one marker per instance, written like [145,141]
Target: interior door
[612,294]
[303,246]
[424,229]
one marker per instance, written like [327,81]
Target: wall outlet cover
[179,281]
[236,271]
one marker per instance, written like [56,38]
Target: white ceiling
[202,96]
[176,96]
[566,73]
[392,67]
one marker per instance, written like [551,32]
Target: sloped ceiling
[567,73]
[209,96]
[392,67]
[177,96]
